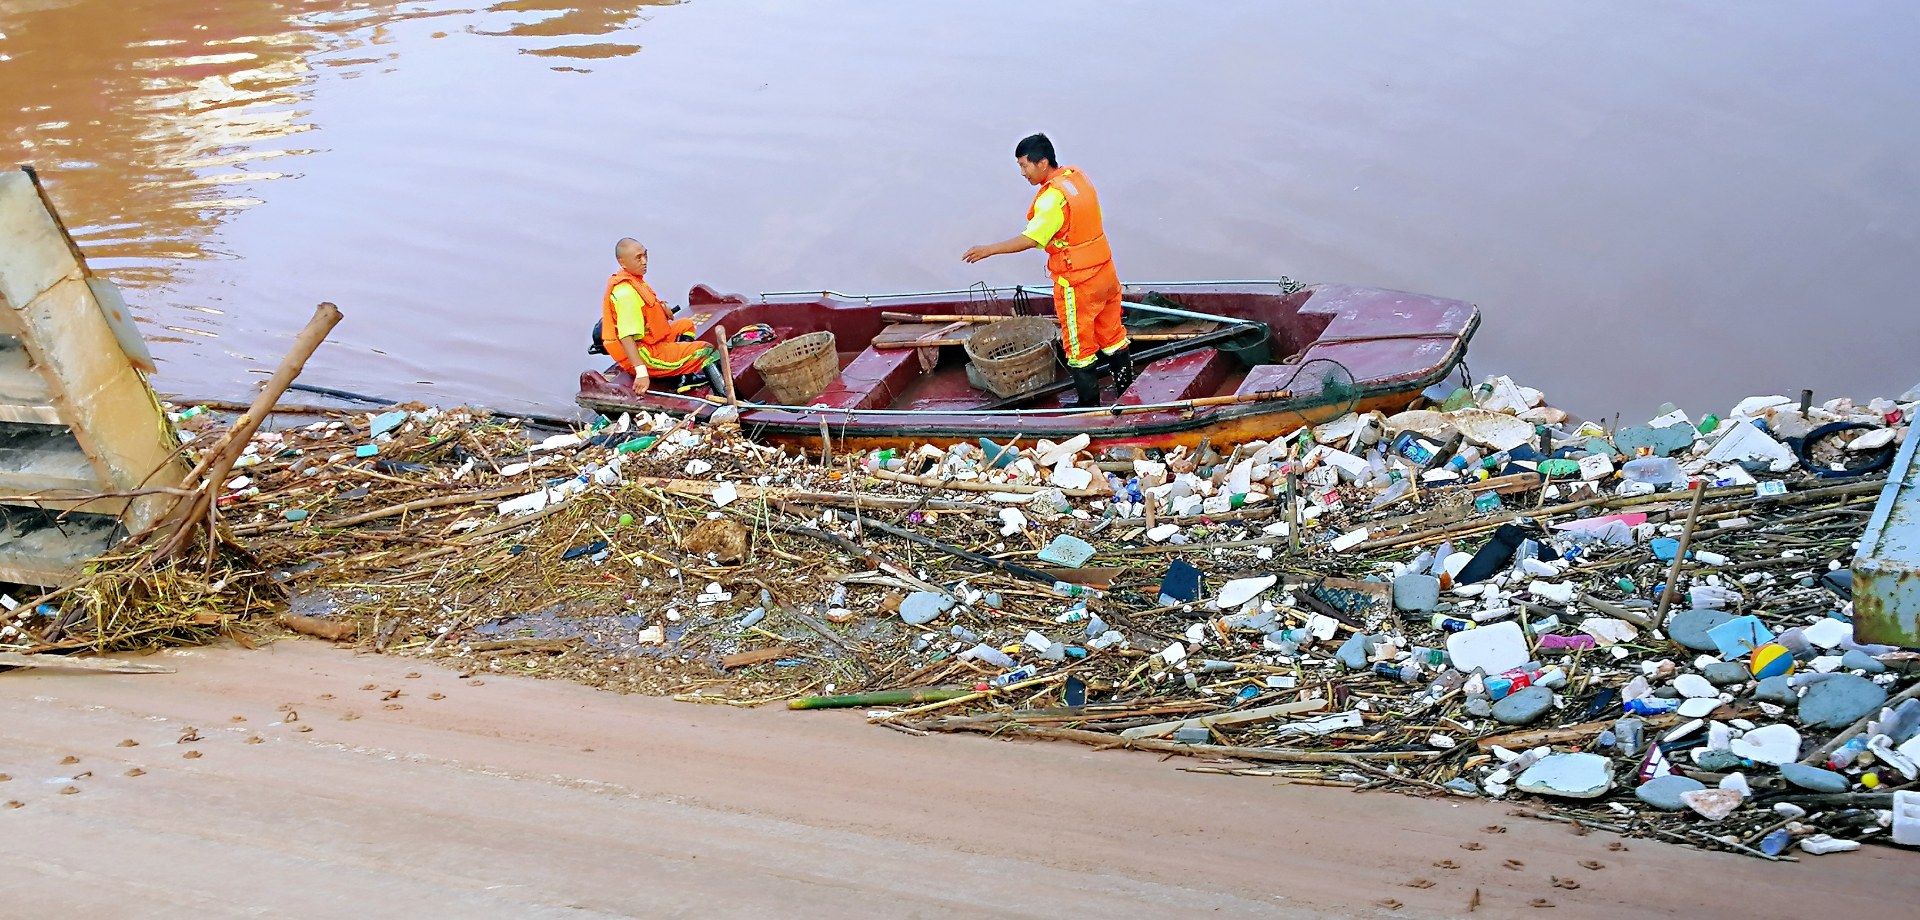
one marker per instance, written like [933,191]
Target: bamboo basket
[799,369]
[1013,356]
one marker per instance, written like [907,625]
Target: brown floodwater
[1648,201]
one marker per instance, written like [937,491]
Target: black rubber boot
[715,380]
[1120,363]
[1086,387]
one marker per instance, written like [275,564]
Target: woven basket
[799,369]
[1014,355]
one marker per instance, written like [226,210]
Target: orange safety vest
[651,313]
[660,348]
[1081,243]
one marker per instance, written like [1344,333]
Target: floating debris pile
[1646,629]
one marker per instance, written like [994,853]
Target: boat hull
[1387,346]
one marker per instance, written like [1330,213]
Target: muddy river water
[1648,201]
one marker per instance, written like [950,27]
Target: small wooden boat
[1243,360]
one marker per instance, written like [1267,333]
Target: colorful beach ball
[1771,660]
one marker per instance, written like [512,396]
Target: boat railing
[1284,284]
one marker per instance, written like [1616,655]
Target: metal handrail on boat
[1281,282]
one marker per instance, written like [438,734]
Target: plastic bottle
[1467,458]
[638,444]
[1376,469]
[1288,641]
[1847,753]
[1024,672]
[1414,448]
[1063,589]
[1655,470]
[987,654]
[1405,674]
[1396,489]
[1651,706]
[1451,624]
[1446,682]
[1421,563]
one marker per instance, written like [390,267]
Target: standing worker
[636,331]
[1064,220]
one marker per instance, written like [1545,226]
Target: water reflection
[1646,208]
[568,20]
[154,122]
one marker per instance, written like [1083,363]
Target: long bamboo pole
[187,514]
[1680,555]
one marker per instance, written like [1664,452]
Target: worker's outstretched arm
[1004,247]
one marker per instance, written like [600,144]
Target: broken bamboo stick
[188,514]
[1102,739]
[1159,729]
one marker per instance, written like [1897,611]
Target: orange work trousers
[1087,304]
[670,357]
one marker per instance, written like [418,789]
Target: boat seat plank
[1189,376]
[872,379]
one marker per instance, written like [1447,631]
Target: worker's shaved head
[631,255]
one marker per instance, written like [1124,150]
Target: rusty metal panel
[1886,570]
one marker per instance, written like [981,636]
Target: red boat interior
[1385,339]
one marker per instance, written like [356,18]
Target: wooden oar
[726,366]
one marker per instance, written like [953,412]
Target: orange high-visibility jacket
[659,347]
[1081,244]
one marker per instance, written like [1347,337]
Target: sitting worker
[637,332]
[1064,222]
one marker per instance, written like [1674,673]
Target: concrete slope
[522,798]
